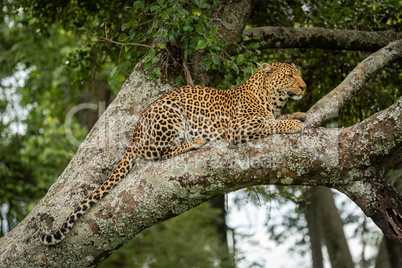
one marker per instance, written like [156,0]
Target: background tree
[197,43]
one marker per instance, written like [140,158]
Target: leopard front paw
[296,126]
[290,126]
[299,116]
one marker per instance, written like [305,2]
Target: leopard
[188,117]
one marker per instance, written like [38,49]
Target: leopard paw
[290,126]
[299,116]
[198,142]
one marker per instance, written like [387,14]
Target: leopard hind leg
[182,148]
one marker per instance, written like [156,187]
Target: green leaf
[154,7]
[132,32]
[155,73]
[174,23]
[200,29]
[165,15]
[188,28]
[201,3]
[248,54]
[180,81]
[148,65]
[121,78]
[124,26]
[234,66]
[254,45]
[152,53]
[113,77]
[216,47]
[201,44]
[197,12]
[161,46]
[122,37]
[172,11]
[161,2]
[170,34]
[155,24]
[138,5]
[216,60]
[240,59]
[197,2]
[208,61]
[213,31]
[206,5]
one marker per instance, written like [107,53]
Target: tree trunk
[314,227]
[332,229]
[220,224]
[325,225]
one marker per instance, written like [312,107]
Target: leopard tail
[120,171]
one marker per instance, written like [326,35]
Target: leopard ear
[268,68]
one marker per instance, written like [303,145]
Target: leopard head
[284,79]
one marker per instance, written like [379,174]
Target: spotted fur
[188,117]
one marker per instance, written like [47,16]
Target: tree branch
[284,37]
[375,146]
[329,105]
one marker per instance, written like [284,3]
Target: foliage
[183,29]
[44,66]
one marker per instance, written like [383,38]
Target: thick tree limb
[329,105]
[284,37]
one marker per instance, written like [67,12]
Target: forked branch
[330,104]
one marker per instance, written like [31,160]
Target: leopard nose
[302,87]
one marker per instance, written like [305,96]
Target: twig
[118,64]
[256,194]
[115,42]
[167,50]
[187,74]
